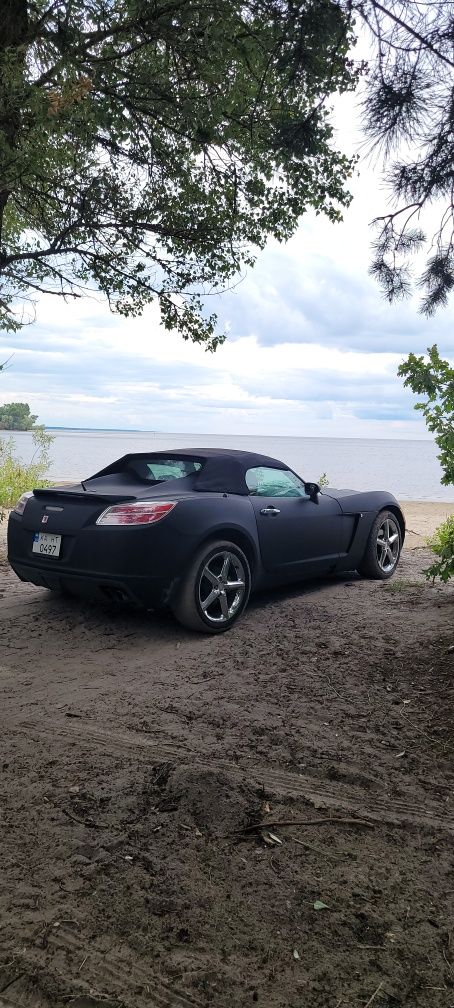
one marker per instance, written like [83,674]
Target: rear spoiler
[87,496]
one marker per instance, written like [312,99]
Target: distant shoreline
[197,435]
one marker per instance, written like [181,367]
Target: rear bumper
[134,565]
[146,592]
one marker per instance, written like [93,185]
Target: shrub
[434,379]
[16,477]
[442,544]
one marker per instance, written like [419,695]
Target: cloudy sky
[312,349]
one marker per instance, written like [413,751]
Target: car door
[297,535]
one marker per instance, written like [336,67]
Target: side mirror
[313,490]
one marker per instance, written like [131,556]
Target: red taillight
[22,502]
[137,513]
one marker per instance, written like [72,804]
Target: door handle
[269,511]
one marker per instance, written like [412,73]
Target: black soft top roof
[223,470]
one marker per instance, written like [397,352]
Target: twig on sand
[276,823]
[82,822]
[374,995]
[318,850]
[421,732]
[10,983]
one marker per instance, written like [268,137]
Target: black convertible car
[197,531]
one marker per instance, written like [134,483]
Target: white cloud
[80,398]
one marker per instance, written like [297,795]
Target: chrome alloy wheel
[388,545]
[222,585]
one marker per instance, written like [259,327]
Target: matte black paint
[144,564]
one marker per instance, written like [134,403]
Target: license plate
[46,544]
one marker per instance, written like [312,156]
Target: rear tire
[215,590]
[383,548]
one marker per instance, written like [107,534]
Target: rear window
[159,470]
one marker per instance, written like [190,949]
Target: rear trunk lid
[67,509]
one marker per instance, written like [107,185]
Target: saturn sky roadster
[198,530]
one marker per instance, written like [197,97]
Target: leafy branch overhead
[408,115]
[147,147]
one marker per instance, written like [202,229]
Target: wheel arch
[239,538]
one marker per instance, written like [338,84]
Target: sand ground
[423,518]
[135,756]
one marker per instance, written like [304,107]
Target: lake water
[409,469]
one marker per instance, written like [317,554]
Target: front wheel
[383,548]
[215,589]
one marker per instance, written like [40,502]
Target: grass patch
[17,477]
[398,586]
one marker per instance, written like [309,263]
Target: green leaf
[148,150]
[433,378]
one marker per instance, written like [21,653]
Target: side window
[264,482]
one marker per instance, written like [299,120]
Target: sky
[312,348]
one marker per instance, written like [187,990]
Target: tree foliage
[434,379]
[16,416]
[408,114]
[147,146]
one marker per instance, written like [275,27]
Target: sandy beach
[263,817]
[146,771]
[422,519]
